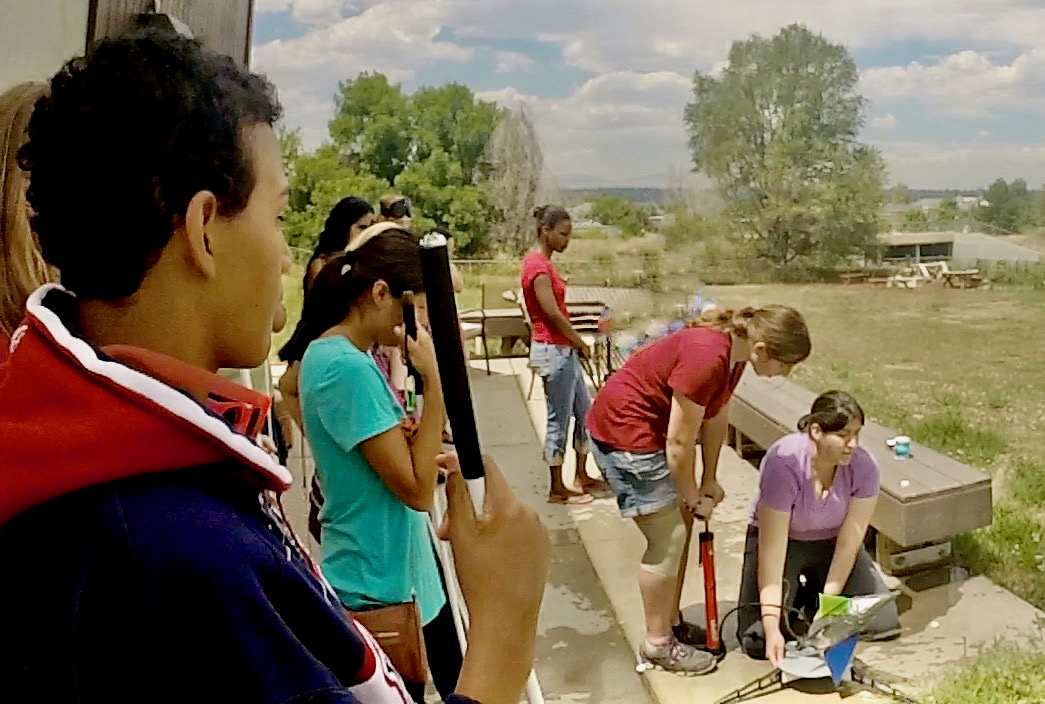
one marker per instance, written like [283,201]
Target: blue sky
[957,87]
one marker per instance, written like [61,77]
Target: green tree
[900,194]
[372,125]
[776,131]
[426,145]
[451,119]
[289,148]
[948,211]
[620,212]
[443,195]
[1001,207]
[318,180]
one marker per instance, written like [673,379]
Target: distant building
[952,246]
[927,205]
[659,222]
[968,203]
[581,212]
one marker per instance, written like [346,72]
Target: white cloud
[961,164]
[623,128]
[321,13]
[608,35]
[382,38]
[262,6]
[626,120]
[966,85]
[885,122]
[511,61]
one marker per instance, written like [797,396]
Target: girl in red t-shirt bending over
[645,425]
[555,353]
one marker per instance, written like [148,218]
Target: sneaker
[676,657]
[689,633]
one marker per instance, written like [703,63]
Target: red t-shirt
[631,411]
[5,347]
[534,264]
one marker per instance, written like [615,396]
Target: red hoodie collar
[70,418]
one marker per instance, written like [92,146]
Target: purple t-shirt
[786,484]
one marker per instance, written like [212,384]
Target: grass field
[1007,673]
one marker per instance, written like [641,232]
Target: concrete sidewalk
[582,654]
[943,625]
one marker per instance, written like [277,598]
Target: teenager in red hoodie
[150,565]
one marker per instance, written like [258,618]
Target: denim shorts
[641,480]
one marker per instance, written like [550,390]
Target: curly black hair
[126,137]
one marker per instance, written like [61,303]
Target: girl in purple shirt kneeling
[817,492]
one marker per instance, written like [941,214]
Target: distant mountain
[919,193]
[577,181]
[641,195]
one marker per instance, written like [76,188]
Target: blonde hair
[782,329]
[22,266]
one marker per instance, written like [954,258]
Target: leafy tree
[426,146]
[372,125]
[900,194]
[948,211]
[443,195]
[1003,204]
[451,119]
[776,131]
[620,212]
[318,180]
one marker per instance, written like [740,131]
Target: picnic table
[963,278]
[853,277]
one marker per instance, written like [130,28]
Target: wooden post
[225,27]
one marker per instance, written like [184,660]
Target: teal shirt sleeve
[353,401]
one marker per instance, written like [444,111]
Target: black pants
[812,559]
[444,656]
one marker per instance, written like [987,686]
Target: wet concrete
[582,654]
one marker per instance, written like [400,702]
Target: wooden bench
[925,500]
[853,277]
[968,278]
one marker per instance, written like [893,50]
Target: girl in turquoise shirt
[378,481]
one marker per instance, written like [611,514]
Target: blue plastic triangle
[839,657]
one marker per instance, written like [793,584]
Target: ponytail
[324,307]
[383,252]
[832,411]
[782,329]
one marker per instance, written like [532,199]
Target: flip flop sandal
[571,500]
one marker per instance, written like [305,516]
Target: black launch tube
[410,323]
[449,353]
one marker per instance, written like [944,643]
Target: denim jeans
[641,480]
[566,395]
